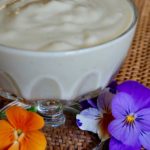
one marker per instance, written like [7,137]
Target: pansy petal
[104,101]
[87,124]
[90,113]
[6,134]
[113,87]
[103,135]
[144,103]
[122,105]
[127,134]
[23,119]
[92,102]
[117,145]
[85,104]
[14,146]
[17,116]
[34,140]
[145,140]
[143,116]
[88,120]
[139,92]
[34,122]
[103,123]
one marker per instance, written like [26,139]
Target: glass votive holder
[52,111]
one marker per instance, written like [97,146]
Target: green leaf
[2,115]
[32,109]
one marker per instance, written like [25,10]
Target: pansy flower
[129,126]
[97,117]
[131,110]
[137,91]
[85,104]
[21,130]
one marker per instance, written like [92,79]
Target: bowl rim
[74,51]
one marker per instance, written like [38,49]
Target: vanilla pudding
[64,49]
[60,25]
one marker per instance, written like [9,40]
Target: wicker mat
[136,67]
[137,64]
[69,137]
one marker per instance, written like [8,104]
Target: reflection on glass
[52,111]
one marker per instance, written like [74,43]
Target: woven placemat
[137,64]
[136,67]
[70,137]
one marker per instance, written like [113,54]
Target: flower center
[104,121]
[130,118]
[19,135]
[19,132]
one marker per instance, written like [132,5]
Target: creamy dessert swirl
[60,25]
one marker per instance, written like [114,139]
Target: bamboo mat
[136,67]
[137,64]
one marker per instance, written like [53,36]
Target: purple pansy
[97,117]
[130,107]
[88,103]
[145,139]
[113,87]
[131,110]
[88,120]
[137,91]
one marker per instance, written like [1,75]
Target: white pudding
[60,25]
